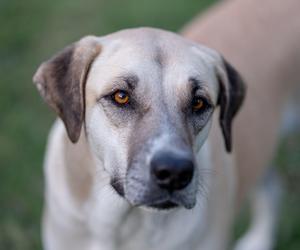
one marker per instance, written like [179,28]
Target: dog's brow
[130,79]
[198,87]
[127,81]
[195,83]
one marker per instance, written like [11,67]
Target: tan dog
[139,107]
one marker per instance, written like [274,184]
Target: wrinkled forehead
[156,59]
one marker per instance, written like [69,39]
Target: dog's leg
[264,211]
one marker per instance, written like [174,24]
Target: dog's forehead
[153,54]
[150,43]
[147,38]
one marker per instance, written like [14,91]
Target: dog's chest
[149,230]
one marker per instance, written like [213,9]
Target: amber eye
[198,103]
[121,97]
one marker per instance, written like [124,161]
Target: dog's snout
[172,172]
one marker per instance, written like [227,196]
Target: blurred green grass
[30,32]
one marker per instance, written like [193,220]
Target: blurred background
[30,32]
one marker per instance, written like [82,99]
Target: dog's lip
[169,203]
[117,186]
[163,202]
[164,205]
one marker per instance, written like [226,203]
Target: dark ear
[232,90]
[61,82]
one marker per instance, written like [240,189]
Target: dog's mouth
[117,186]
[160,205]
[155,199]
[165,205]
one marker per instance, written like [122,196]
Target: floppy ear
[61,82]
[232,90]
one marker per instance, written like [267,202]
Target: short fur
[99,190]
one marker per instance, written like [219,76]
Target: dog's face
[146,99]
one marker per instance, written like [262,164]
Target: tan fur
[80,167]
[261,39]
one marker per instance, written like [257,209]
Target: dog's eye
[120,97]
[198,103]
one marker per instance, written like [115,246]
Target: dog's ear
[61,82]
[232,90]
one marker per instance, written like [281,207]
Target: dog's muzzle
[167,181]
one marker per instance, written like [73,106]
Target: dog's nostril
[171,171]
[163,174]
[186,176]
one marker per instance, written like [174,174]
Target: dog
[143,156]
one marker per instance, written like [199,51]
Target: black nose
[171,172]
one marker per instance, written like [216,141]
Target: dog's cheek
[107,142]
[201,136]
[97,131]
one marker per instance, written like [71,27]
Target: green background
[30,32]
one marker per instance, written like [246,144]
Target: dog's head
[145,98]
